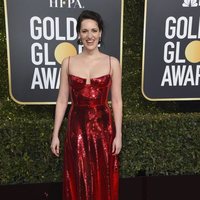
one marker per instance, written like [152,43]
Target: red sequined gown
[90,169]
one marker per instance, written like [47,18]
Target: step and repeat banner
[41,33]
[171,52]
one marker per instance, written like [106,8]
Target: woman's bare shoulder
[71,57]
[68,60]
[114,61]
[115,65]
[65,61]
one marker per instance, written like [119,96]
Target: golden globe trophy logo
[171,54]
[40,34]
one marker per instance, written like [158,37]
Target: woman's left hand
[117,145]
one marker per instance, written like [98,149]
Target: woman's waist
[89,103]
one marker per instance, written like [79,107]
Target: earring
[99,40]
[79,41]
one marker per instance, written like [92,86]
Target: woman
[93,139]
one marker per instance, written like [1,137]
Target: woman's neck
[94,52]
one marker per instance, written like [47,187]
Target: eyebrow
[91,28]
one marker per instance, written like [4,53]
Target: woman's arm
[61,105]
[116,99]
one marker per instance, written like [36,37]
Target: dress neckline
[89,78]
[93,78]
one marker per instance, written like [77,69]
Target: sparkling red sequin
[90,170]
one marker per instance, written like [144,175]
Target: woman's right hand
[55,146]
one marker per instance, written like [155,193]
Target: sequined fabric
[90,169]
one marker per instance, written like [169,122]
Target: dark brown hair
[88,14]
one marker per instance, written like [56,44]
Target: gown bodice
[92,94]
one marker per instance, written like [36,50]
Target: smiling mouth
[90,42]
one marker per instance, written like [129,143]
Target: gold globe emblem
[192,51]
[63,50]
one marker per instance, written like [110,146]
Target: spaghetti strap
[68,64]
[110,64]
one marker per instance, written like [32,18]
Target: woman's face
[89,34]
